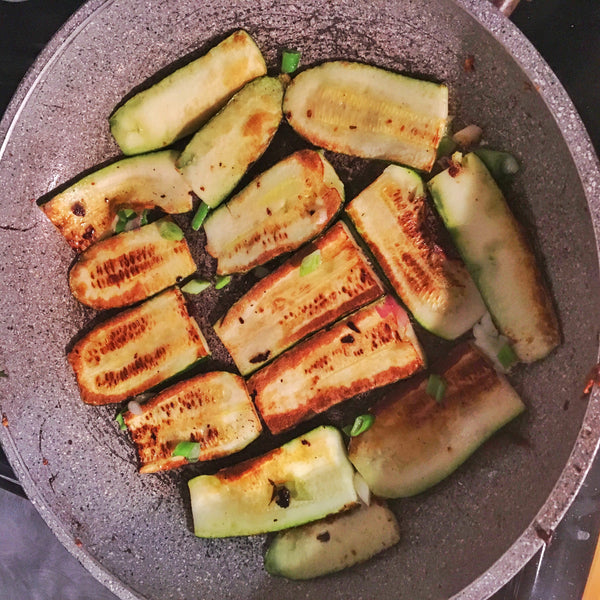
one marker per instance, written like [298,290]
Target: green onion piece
[189,450]
[119,419]
[506,356]
[144,218]
[170,231]
[120,225]
[499,163]
[221,281]
[436,387]
[3,374]
[446,146]
[290,59]
[195,286]
[360,425]
[200,216]
[127,213]
[310,263]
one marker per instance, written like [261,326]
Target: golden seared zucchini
[370,348]
[85,212]
[295,301]
[220,153]
[334,543]
[416,440]
[130,267]
[394,219]
[277,212]
[498,256]
[366,111]
[212,413]
[306,479]
[137,349]
[180,103]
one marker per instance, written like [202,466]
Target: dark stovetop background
[33,565]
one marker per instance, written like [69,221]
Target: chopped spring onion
[507,357]
[189,450]
[446,146]
[310,263]
[195,286]
[360,425]
[123,217]
[3,374]
[500,164]
[121,422]
[144,218]
[221,281]
[290,59]
[170,231]
[436,387]
[200,216]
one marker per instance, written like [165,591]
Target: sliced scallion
[200,216]
[506,356]
[119,419]
[499,163]
[144,218]
[170,231]
[446,146]
[436,387]
[195,286]
[310,263]
[221,281]
[189,450]
[290,59]
[360,425]
[3,374]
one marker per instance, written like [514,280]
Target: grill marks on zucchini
[129,267]
[326,369]
[286,306]
[277,212]
[213,409]
[394,219]
[137,349]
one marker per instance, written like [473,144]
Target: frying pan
[468,535]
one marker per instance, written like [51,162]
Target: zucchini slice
[281,209]
[85,212]
[393,217]
[137,349]
[213,410]
[180,103]
[416,441]
[370,348]
[130,267]
[288,304]
[220,153]
[334,543]
[496,252]
[304,480]
[366,111]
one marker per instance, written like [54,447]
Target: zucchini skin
[282,208]
[243,499]
[129,267]
[137,349]
[394,219]
[368,349]
[212,409]
[286,306]
[218,155]
[84,213]
[498,256]
[366,111]
[181,102]
[415,441]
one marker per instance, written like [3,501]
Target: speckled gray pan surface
[469,534]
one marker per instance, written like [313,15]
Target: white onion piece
[135,408]
[489,340]
[468,136]
[362,489]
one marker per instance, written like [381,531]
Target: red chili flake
[45,461]
[453,170]
[78,542]
[592,378]
[469,63]
[4,420]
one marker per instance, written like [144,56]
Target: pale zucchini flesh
[180,103]
[371,348]
[366,111]
[212,409]
[306,479]
[332,544]
[393,217]
[137,349]
[130,267]
[498,255]
[416,441]
[277,212]
[220,153]
[85,212]
[287,305]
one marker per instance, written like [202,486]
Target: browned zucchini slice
[289,304]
